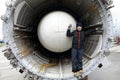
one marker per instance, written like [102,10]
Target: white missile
[52,31]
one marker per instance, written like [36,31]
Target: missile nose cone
[52,31]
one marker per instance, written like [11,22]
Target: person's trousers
[77,56]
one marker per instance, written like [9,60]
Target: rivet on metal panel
[4,18]
[8,4]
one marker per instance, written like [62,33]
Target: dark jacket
[76,41]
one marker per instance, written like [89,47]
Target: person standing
[77,47]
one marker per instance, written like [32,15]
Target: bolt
[4,18]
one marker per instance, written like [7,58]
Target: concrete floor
[109,71]
[6,71]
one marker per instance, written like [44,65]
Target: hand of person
[69,27]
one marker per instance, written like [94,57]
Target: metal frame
[9,39]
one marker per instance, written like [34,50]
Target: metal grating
[34,3]
[24,17]
[90,45]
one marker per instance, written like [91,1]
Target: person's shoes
[75,74]
[81,71]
